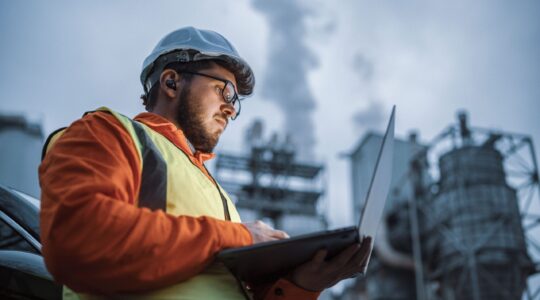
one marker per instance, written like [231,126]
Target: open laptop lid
[380,184]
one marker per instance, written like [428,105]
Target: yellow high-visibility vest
[170,181]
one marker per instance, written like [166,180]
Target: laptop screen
[380,184]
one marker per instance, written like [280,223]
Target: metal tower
[271,181]
[478,221]
[465,220]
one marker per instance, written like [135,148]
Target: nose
[228,109]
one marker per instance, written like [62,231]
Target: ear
[167,90]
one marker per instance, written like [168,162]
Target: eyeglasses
[228,92]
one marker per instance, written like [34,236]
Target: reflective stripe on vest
[167,171]
[153,191]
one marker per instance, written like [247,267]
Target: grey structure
[465,211]
[271,184]
[20,153]
[391,268]
[473,240]
[363,161]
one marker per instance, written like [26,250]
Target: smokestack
[289,61]
[413,136]
[464,127]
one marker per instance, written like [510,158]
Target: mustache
[222,117]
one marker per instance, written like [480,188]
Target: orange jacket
[96,240]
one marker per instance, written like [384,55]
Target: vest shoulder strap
[51,139]
[153,190]
[128,124]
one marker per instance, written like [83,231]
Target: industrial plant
[461,219]
[270,183]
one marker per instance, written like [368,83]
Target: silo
[475,244]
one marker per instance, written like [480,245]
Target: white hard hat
[191,44]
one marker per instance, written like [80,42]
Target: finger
[367,241]
[354,274]
[361,256]
[367,245]
[279,234]
[262,225]
[269,239]
[345,256]
[320,256]
[358,262]
[352,270]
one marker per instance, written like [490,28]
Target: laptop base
[266,262]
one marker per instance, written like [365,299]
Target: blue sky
[327,70]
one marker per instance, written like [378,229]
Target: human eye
[218,89]
[229,93]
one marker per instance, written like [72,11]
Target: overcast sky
[326,70]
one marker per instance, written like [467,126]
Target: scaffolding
[271,182]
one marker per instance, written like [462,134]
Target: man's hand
[318,274]
[261,232]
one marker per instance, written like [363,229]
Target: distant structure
[270,183]
[460,220]
[363,163]
[397,280]
[20,153]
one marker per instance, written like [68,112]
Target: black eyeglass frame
[226,82]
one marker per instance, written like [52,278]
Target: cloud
[290,59]
[371,117]
[363,66]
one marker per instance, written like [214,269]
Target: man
[128,207]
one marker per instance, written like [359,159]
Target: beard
[191,120]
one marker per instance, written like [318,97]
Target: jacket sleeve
[95,239]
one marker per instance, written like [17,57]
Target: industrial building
[20,153]
[269,183]
[461,219]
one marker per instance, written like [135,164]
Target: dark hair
[244,81]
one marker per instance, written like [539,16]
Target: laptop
[268,261]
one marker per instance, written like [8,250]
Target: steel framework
[270,182]
[521,169]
